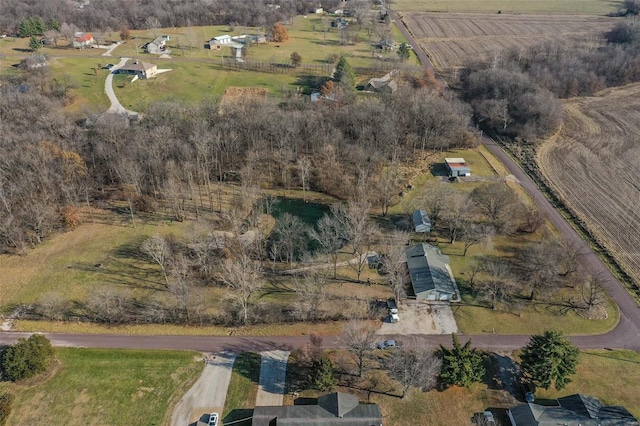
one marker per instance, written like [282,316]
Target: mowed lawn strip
[243,388]
[107,387]
[611,376]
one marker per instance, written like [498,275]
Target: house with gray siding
[457,167]
[575,409]
[334,409]
[430,273]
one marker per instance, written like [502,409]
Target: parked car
[393,318]
[488,417]
[528,391]
[213,419]
[389,344]
[393,307]
[108,67]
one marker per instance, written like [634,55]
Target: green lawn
[106,387]
[575,7]
[243,388]
[612,376]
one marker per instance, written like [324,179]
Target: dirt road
[208,393]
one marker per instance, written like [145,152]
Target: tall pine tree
[461,365]
[549,359]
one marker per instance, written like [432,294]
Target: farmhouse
[431,276]
[383,84]
[421,221]
[457,167]
[158,45]
[83,40]
[575,409]
[219,41]
[331,410]
[139,68]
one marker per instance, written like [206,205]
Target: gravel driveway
[421,318]
[208,393]
[273,369]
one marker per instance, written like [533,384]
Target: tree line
[135,14]
[52,164]
[515,94]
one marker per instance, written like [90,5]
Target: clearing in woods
[592,165]
[451,40]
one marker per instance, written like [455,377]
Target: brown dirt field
[233,95]
[451,39]
[592,166]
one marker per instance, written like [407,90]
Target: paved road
[208,393]
[627,333]
[273,371]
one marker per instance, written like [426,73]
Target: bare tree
[434,200]
[419,368]
[593,293]
[359,337]
[153,24]
[157,249]
[304,165]
[456,214]
[495,202]
[496,283]
[394,263]
[243,275]
[290,237]
[539,266]
[329,234]
[471,233]
[311,294]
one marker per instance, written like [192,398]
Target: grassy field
[452,40]
[589,7]
[612,376]
[243,387]
[598,136]
[106,387]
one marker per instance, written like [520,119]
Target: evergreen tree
[27,357]
[462,365]
[323,376]
[53,24]
[404,51]
[34,44]
[25,28]
[549,359]
[344,73]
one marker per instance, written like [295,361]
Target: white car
[213,419]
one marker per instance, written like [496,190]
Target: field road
[273,371]
[208,393]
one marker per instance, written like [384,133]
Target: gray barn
[431,276]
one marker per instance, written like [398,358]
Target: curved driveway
[116,107]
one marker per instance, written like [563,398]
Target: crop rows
[593,166]
[453,39]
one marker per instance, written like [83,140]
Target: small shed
[421,221]
[457,167]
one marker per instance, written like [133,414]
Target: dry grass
[612,376]
[592,165]
[451,40]
[569,7]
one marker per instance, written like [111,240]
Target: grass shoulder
[243,387]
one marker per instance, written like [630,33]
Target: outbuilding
[421,221]
[457,167]
[431,276]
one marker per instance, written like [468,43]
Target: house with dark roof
[139,68]
[334,409]
[421,221]
[572,410]
[430,273]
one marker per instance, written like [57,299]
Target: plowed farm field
[593,165]
[452,39]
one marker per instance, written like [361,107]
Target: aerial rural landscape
[287,212]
